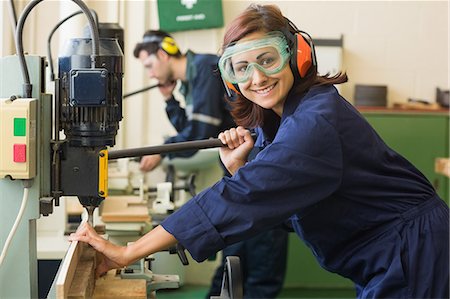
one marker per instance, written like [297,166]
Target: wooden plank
[112,286]
[76,278]
[124,209]
[442,166]
[83,282]
[77,270]
[67,269]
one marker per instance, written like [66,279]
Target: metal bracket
[232,280]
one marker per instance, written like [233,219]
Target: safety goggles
[269,55]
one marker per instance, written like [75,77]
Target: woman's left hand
[111,255]
[239,144]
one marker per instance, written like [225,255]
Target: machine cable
[13,15]
[26,187]
[27,87]
[50,36]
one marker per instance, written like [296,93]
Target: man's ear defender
[169,45]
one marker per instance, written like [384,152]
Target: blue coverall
[206,115]
[263,257]
[365,211]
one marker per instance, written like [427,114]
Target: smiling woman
[364,211]
[263,75]
[262,86]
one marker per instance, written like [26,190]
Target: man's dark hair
[151,43]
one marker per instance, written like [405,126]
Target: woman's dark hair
[154,46]
[267,18]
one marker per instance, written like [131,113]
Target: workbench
[421,136]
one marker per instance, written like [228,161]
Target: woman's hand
[104,264]
[239,144]
[111,256]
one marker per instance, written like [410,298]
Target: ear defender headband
[166,43]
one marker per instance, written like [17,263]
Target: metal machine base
[139,270]
[232,280]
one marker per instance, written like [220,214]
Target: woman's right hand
[239,144]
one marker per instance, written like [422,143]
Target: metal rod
[165,148]
[13,15]
[140,90]
[168,148]
[90,211]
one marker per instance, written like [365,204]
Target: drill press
[89,108]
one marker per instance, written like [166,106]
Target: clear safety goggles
[269,55]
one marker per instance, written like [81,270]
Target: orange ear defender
[233,87]
[303,53]
[230,86]
[301,59]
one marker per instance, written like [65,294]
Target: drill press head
[90,98]
[90,109]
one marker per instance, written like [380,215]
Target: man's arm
[176,114]
[206,112]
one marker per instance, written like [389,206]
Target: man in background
[206,113]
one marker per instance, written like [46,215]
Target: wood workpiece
[442,166]
[67,269]
[124,209]
[83,282]
[76,278]
[112,286]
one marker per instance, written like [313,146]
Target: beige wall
[401,44]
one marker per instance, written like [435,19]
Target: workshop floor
[199,292]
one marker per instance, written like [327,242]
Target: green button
[20,128]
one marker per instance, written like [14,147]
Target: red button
[20,153]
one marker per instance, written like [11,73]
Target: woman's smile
[264,91]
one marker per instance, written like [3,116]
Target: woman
[365,211]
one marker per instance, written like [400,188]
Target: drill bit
[90,211]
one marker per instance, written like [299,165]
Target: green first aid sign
[179,15]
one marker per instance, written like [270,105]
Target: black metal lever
[167,148]
[139,91]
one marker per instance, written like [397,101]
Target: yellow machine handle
[103,173]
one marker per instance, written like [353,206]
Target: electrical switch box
[18,138]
